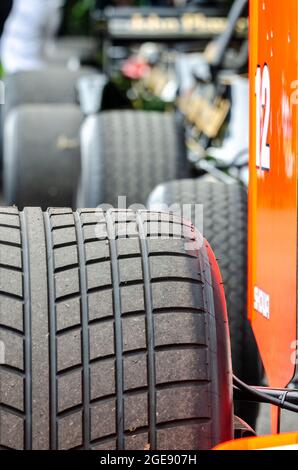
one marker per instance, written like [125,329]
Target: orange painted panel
[282,441]
[272,290]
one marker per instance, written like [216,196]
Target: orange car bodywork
[272,290]
[280,442]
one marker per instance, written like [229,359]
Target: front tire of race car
[115,336]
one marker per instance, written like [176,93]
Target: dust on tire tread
[69,400]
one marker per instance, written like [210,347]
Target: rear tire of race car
[64,49]
[41,155]
[128,153]
[54,85]
[115,337]
[225,227]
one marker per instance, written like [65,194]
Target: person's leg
[28,27]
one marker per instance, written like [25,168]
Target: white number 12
[262,91]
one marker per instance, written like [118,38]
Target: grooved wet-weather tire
[41,155]
[128,153]
[225,227]
[112,335]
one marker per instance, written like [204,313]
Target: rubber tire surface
[42,155]
[62,49]
[45,86]
[128,153]
[111,340]
[225,227]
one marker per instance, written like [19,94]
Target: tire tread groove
[118,331]
[52,328]
[151,371]
[85,332]
[27,331]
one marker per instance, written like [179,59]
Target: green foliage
[77,17]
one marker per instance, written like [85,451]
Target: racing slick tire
[41,155]
[65,49]
[46,86]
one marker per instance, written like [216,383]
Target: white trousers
[30,24]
